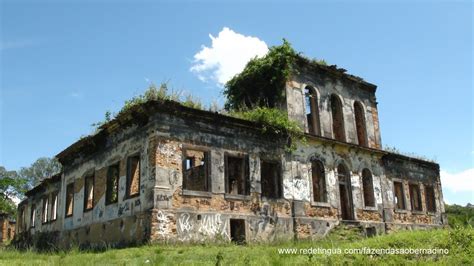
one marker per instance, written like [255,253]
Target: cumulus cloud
[458,182]
[227,56]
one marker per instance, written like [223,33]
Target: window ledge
[205,194]
[401,211]
[431,213]
[418,212]
[370,208]
[237,197]
[320,204]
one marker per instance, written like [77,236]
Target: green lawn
[458,242]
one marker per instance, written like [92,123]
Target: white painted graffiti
[163,224]
[212,225]
[184,223]
[297,189]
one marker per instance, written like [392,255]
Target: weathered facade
[7,228]
[165,172]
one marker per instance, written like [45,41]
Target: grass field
[459,243]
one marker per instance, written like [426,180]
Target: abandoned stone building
[7,228]
[162,171]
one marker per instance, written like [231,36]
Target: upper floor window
[196,170]
[133,176]
[111,193]
[368,187]
[270,179]
[360,124]
[89,193]
[237,175]
[312,110]
[337,118]
[319,181]
[415,197]
[399,195]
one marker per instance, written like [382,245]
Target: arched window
[345,191]
[319,181]
[337,118]
[360,123]
[342,174]
[312,110]
[368,187]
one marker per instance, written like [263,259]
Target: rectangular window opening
[430,198]
[196,170]
[399,195]
[33,215]
[270,179]
[54,206]
[89,193]
[237,175]
[133,176]
[113,173]
[415,197]
[69,199]
[45,210]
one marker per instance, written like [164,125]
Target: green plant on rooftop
[274,121]
[262,81]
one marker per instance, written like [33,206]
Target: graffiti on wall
[296,188]
[163,224]
[195,227]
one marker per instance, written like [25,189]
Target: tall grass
[457,241]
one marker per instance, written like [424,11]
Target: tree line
[14,184]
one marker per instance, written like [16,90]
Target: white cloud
[227,56]
[459,182]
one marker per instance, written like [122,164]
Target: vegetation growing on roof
[262,81]
[274,121]
[408,154]
[153,93]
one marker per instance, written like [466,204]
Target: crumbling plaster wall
[127,220]
[348,92]
[182,215]
[412,171]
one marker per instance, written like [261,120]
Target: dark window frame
[312,115]
[279,182]
[337,114]
[89,177]
[33,216]
[402,189]
[245,172]
[128,189]
[322,184]
[430,207]
[108,190]
[361,124]
[412,187]
[44,210]
[368,190]
[54,195]
[69,187]
[207,163]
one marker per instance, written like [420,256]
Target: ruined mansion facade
[165,172]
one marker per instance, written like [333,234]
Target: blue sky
[64,65]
